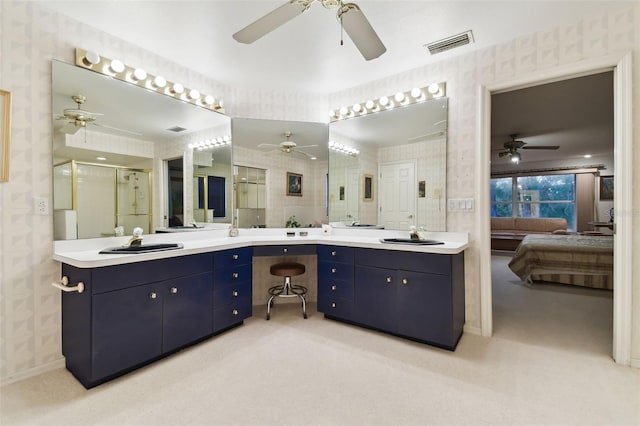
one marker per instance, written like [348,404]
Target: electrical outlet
[40,206]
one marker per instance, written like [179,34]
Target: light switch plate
[41,206]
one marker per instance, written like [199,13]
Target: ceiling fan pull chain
[341,32]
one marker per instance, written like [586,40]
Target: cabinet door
[187,310]
[375,297]
[426,307]
[126,329]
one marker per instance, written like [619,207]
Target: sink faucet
[136,238]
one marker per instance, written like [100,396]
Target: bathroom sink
[410,241]
[144,248]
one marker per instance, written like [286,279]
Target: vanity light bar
[413,96]
[211,143]
[344,149]
[139,77]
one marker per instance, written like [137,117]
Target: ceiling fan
[349,14]
[289,147]
[78,118]
[511,148]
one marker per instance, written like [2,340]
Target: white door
[397,191]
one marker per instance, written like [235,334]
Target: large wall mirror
[122,158]
[389,168]
[280,173]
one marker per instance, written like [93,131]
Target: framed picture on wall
[422,189]
[294,184]
[368,188]
[5,133]
[342,193]
[606,188]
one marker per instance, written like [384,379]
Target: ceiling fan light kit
[115,68]
[409,97]
[350,16]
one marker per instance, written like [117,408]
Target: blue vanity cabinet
[335,281]
[410,294]
[132,314]
[232,288]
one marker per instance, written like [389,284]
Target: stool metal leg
[287,290]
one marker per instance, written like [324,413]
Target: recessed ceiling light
[101,158]
[587,156]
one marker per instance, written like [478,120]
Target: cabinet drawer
[337,288]
[335,254]
[335,271]
[285,250]
[408,261]
[226,258]
[335,306]
[231,293]
[117,277]
[231,314]
[231,274]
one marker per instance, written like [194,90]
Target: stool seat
[287,289]
[287,269]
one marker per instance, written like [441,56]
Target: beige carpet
[548,364]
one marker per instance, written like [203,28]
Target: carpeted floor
[549,363]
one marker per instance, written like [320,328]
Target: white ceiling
[305,54]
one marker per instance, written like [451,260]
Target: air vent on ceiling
[450,42]
[176,129]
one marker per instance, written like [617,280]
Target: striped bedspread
[569,259]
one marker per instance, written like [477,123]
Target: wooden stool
[287,270]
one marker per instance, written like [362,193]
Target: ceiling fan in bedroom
[351,18]
[78,118]
[511,148]
[290,147]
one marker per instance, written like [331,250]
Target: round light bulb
[209,100]
[332,113]
[227,138]
[194,94]
[399,97]
[357,107]
[344,110]
[139,74]
[384,101]
[433,88]
[91,58]
[159,82]
[416,93]
[370,104]
[190,146]
[116,66]
[177,88]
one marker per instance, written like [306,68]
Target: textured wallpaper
[30,37]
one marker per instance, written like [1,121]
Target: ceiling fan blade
[268,144]
[271,21]
[116,129]
[303,153]
[503,154]
[306,146]
[360,31]
[542,147]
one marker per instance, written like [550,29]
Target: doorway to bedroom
[552,148]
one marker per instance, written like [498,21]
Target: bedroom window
[535,196]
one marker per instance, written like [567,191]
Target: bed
[581,260]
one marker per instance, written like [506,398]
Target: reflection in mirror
[121,158]
[264,151]
[403,153]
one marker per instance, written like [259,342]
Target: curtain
[585,204]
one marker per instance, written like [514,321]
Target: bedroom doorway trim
[623,200]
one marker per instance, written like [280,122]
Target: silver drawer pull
[389,279]
[333,270]
[405,281]
[173,290]
[235,257]
[334,287]
[284,250]
[235,312]
[333,253]
[236,275]
[333,305]
[153,295]
[235,294]
[63,284]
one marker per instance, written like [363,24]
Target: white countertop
[84,253]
